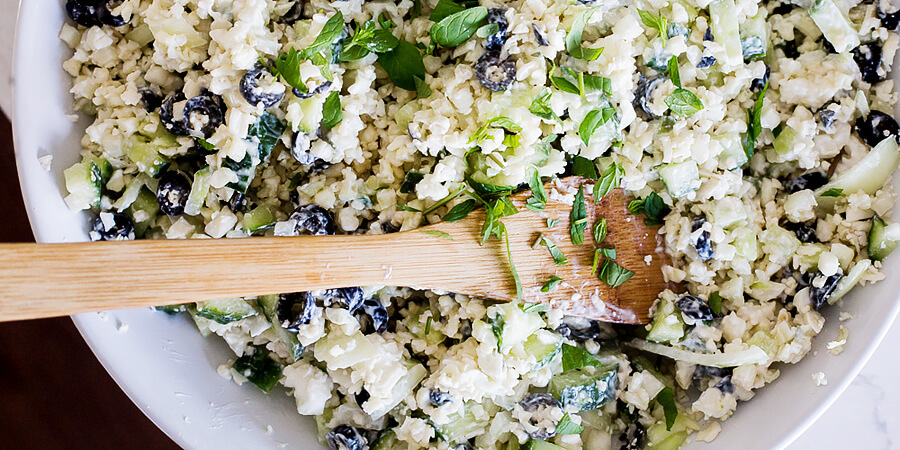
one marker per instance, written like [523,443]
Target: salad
[759,134]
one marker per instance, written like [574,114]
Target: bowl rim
[162,419]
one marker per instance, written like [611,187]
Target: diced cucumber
[868,175]
[727,211]
[659,438]
[422,330]
[83,183]
[245,169]
[517,325]
[586,388]
[141,35]
[783,146]
[667,325]
[226,310]
[536,444]
[172,310]
[199,191]
[745,243]
[387,440]
[544,345]
[340,351]
[835,26]
[102,164]
[269,304]
[464,424]
[132,192]
[680,178]
[199,321]
[512,443]
[144,151]
[259,368]
[850,280]
[671,441]
[311,113]
[405,386]
[779,244]
[764,340]
[755,36]
[733,155]
[322,421]
[143,211]
[724,17]
[406,112]
[176,29]
[881,243]
[258,218]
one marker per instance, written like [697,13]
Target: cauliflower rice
[759,133]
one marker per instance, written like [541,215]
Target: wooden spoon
[44,280]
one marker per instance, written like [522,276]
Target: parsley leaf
[540,106]
[408,186]
[403,64]
[715,303]
[609,180]
[653,206]
[657,23]
[458,27]
[578,218]
[613,274]
[460,211]
[576,358]
[573,39]
[592,121]
[438,234]
[666,398]
[538,199]
[833,192]
[566,426]
[683,102]
[551,284]
[558,257]
[599,230]
[288,66]
[584,167]
[497,122]
[331,111]
[754,128]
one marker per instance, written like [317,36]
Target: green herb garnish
[613,274]
[833,192]
[599,230]
[754,128]
[609,180]
[594,120]
[460,211]
[458,27]
[715,303]
[408,186]
[673,71]
[566,426]
[576,358]
[445,8]
[438,234]
[666,398]
[653,206]
[538,199]
[584,167]
[540,106]
[497,324]
[497,122]
[533,307]
[367,40]
[330,32]
[487,30]
[683,102]
[558,257]
[552,222]
[573,39]
[551,284]
[658,23]
[578,218]
[403,64]
[331,111]
[287,66]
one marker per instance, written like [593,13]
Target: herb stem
[443,201]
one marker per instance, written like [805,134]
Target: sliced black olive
[167,114]
[706,61]
[314,219]
[438,398]
[783,9]
[725,385]
[790,49]
[539,37]
[804,232]
[826,116]
[711,372]
[301,143]
[634,437]
[295,309]
[463,446]
[465,329]
[580,329]
[316,91]
[759,83]
[207,105]
[293,14]
[172,192]
[703,243]
[92,13]
[389,227]
[362,396]
[820,295]
[345,437]
[868,58]
[890,20]
[377,314]
[532,403]
[493,73]
[496,40]
[644,93]
[828,47]
[121,229]
[251,91]
[150,98]
[237,202]
[809,180]
[694,308]
[708,35]
[876,127]
[350,298]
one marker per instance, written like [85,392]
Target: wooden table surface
[54,394]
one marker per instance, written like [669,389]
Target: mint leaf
[332,113]
[599,231]
[445,8]
[403,64]
[833,192]
[566,426]
[578,218]
[658,23]
[754,128]
[538,199]
[715,303]
[597,83]
[533,307]
[551,284]
[666,398]
[573,39]
[584,167]
[423,90]
[460,211]
[613,274]
[458,27]
[331,31]
[592,121]
[267,131]
[673,71]
[576,358]
[438,234]
[653,206]
[683,102]
[558,257]
[497,122]
[288,67]
[487,30]
[540,106]
[609,180]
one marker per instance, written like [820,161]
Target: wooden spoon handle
[44,280]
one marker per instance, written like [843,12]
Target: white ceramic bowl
[169,370]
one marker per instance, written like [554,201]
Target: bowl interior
[169,370]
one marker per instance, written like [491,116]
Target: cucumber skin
[259,369]
[879,245]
